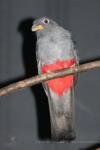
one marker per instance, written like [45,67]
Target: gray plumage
[55,43]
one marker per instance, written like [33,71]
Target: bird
[55,50]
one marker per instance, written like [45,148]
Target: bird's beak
[37,27]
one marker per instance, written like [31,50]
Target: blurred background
[24,115]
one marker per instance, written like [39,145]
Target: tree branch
[50,75]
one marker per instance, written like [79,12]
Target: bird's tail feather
[62,116]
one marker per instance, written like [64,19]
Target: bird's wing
[39,72]
[77,60]
[76,55]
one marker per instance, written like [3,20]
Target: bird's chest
[51,50]
[54,55]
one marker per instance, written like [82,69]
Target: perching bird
[56,50]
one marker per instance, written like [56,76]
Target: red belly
[59,85]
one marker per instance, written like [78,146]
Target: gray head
[43,24]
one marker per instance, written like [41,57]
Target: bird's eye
[46,21]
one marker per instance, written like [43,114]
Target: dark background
[24,117]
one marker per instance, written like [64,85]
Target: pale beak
[37,27]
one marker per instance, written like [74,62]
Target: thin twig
[50,75]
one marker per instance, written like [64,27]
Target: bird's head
[42,23]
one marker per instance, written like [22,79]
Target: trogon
[56,50]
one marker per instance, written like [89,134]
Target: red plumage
[59,85]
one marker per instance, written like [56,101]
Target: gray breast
[55,46]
